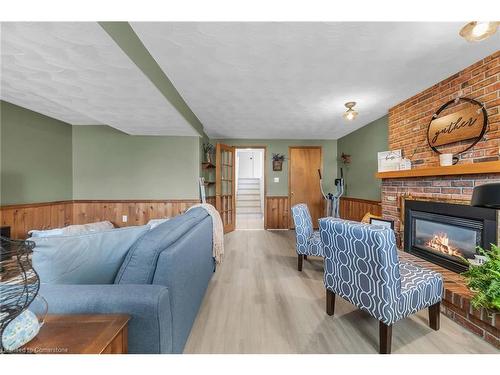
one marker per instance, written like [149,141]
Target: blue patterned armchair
[308,241]
[362,266]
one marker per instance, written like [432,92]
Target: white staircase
[248,196]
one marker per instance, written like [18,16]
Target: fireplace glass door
[452,241]
[447,234]
[443,239]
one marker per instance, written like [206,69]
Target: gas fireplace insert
[446,233]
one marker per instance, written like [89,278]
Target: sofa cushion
[91,258]
[140,263]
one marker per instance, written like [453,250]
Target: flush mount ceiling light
[477,31]
[351,113]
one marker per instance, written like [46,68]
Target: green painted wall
[44,159]
[35,157]
[363,145]
[109,164]
[275,146]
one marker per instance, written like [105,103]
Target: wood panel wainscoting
[277,212]
[48,215]
[23,217]
[356,208]
[138,212]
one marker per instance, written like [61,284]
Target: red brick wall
[444,188]
[408,120]
[408,123]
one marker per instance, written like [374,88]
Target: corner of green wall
[36,157]
[363,145]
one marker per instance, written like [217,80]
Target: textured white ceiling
[76,73]
[291,80]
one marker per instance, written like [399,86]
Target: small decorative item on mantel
[405,164]
[209,151]
[389,160]
[278,162]
[19,285]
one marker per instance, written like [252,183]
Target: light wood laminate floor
[249,221]
[257,302]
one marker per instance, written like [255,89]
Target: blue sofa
[160,284]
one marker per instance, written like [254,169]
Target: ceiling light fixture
[351,113]
[477,31]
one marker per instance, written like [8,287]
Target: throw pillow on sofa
[90,258]
[73,229]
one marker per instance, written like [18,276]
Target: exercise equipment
[333,199]
[201,181]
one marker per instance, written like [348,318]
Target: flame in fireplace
[440,243]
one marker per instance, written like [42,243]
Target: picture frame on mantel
[389,160]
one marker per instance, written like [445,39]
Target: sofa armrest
[150,325]
[186,268]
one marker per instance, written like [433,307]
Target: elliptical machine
[333,200]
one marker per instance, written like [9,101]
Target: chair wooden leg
[434,316]
[305,257]
[385,338]
[330,302]
[299,262]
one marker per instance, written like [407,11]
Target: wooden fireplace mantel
[459,169]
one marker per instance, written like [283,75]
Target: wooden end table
[81,334]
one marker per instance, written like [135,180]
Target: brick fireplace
[407,131]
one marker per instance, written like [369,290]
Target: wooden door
[303,180]
[224,185]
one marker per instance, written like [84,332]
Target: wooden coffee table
[81,334]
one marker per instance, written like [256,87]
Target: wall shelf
[207,165]
[459,169]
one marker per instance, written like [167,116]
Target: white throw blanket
[217,231]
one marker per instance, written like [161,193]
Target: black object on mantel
[487,195]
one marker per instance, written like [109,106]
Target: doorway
[250,188]
[303,180]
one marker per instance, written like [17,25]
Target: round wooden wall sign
[467,124]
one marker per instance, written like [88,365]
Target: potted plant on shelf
[209,151]
[278,162]
[483,278]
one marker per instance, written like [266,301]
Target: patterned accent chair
[362,266]
[308,241]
